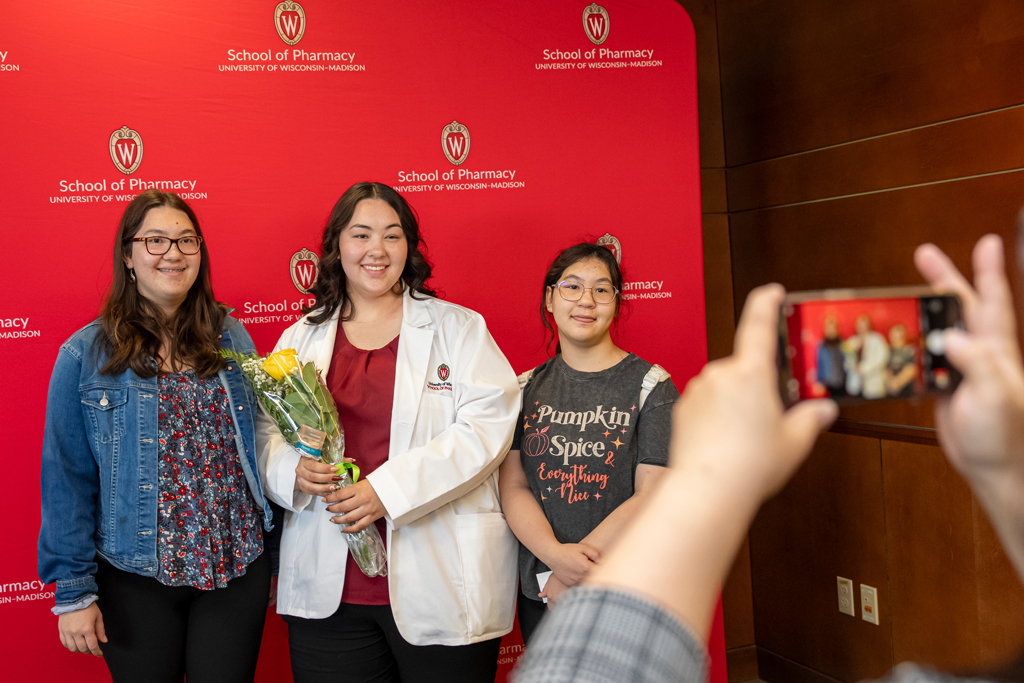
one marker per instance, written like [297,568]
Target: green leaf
[309,377]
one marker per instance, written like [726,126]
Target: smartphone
[855,345]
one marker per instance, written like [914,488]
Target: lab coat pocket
[489,553]
[437,413]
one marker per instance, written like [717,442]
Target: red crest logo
[612,243]
[442,372]
[596,23]
[455,142]
[304,267]
[126,149]
[290,21]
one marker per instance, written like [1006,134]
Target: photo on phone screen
[856,345]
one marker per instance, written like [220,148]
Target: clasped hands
[570,563]
[357,505]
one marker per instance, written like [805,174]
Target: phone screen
[857,345]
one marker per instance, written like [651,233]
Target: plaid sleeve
[603,636]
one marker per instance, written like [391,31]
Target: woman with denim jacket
[153,514]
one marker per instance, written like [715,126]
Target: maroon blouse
[363,386]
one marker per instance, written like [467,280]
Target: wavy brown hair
[330,288]
[133,328]
[584,251]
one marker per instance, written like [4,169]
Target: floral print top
[208,523]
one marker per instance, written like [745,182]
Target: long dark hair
[580,252]
[330,287]
[133,328]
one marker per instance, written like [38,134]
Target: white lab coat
[452,557]
[866,377]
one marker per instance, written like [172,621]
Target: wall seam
[888,580]
[881,191]
[872,137]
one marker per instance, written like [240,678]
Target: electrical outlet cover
[846,605]
[869,604]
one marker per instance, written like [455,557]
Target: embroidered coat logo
[442,372]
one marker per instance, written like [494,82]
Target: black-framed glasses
[158,246]
[573,291]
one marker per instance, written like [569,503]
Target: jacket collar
[414,311]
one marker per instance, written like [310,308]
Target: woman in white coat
[428,403]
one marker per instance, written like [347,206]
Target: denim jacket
[99,465]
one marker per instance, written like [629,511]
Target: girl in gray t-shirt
[592,438]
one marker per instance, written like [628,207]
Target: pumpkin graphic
[536,443]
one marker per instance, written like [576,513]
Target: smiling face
[164,280]
[373,250]
[582,323]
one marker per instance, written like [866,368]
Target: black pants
[361,644]
[160,633]
[530,614]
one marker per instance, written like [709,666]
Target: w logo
[290,21]
[455,142]
[596,23]
[442,372]
[304,268]
[126,149]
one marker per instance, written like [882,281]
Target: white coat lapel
[411,372]
[320,349]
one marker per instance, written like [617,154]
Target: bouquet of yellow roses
[295,396]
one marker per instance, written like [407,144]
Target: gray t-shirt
[580,437]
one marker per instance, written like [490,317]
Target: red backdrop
[576,126]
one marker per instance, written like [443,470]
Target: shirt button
[220,336]
[230,368]
[239,407]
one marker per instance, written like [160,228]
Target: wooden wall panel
[739,609]
[718,297]
[802,75]
[741,663]
[988,143]
[869,240]
[932,576]
[828,522]
[709,99]
[712,191]
[1000,596]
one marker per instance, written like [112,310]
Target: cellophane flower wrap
[295,396]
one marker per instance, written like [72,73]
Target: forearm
[705,521]
[1000,495]
[605,533]
[528,522]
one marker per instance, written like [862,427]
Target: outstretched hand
[732,446]
[981,427]
[730,426]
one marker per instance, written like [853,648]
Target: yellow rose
[279,364]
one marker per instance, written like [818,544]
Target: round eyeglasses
[573,291]
[158,246]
